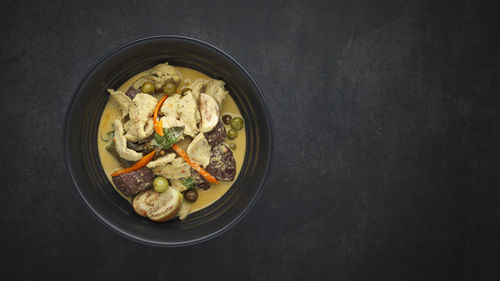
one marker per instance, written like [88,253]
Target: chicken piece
[199,150]
[171,122]
[184,210]
[170,106]
[142,107]
[121,100]
[121,143]
[177,185]
[140,125]
[162,73]
[162,161]
[170,111]
[177,169]
[215,89]
[189,115]
[137,130]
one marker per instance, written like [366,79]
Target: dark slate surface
[386,117]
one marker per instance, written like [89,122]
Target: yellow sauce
[205,197]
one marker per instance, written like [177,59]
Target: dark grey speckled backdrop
[387,118]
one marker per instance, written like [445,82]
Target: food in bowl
[171,141]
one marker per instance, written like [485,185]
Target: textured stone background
[386,120]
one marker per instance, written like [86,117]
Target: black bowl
[80,139]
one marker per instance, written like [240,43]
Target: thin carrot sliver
[158,125]
[195,166]
[137,165]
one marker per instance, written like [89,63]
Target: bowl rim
[122,232]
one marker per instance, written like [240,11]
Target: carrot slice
[158,125]
[195,165]
[137,165]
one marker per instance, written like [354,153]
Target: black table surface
[386,119]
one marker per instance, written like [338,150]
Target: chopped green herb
[188,183]
[169,137]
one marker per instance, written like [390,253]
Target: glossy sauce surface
[206,197]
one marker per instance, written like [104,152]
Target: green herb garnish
[169,137]
[188,183]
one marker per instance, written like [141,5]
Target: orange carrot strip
[195,165]
[158,125]
[137,165]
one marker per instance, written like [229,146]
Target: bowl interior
[82,124]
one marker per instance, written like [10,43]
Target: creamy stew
[181,159]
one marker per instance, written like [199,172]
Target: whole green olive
[169,88]
[226,119]
[232,146]
[232,134]
[160,184]
[148,88]
[237,123]
[191,195]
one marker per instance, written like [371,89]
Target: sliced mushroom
[199,150]
[159,207]
[140,125]
[209,110]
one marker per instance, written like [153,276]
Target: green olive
[226,119]
[169,88]
[232,146]
[160,184]
[232,134]
[148,88]
[237,123]
[191,195]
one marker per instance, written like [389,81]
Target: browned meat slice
[134,182]
[199,180]
[131,92]
[222,164]
[217,135]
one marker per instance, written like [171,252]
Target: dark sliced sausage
[134,182]
[217,135]
[131,92]
[222,164]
